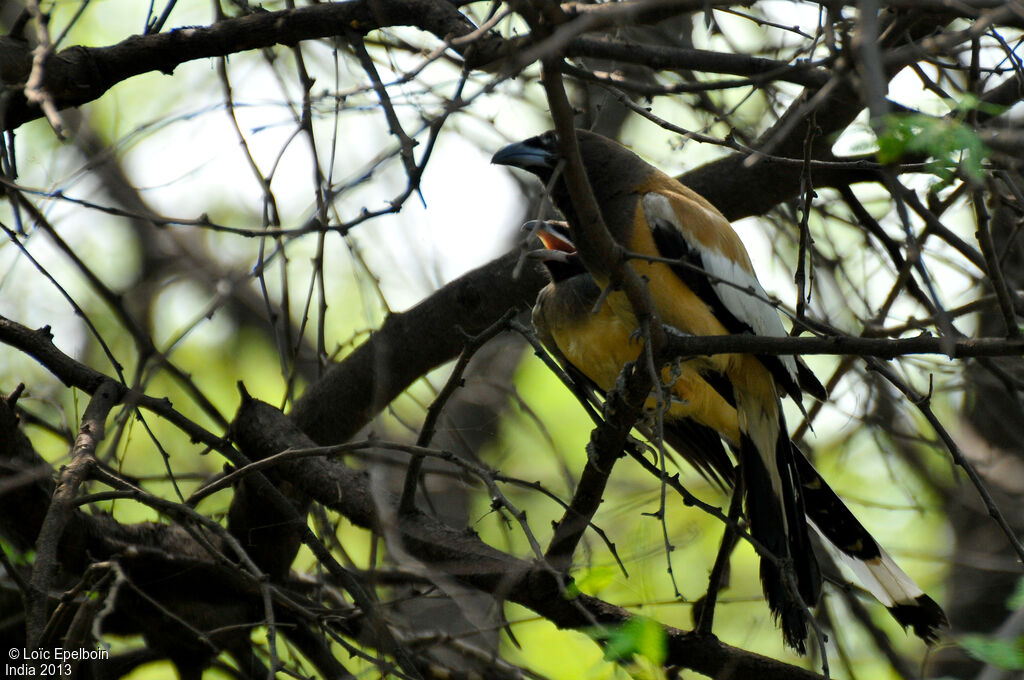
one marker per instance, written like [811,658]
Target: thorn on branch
[12,398]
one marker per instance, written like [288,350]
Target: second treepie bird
[593,345]
[711,289]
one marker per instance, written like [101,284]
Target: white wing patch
[743,296]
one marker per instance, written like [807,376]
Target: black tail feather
[924,616]
[862,553]
[702,448]
[780,525]
[809,382]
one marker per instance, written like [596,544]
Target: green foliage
[1005,654]
[1016,599]
[18,558]
[640,636]
[950,142]
[593,580]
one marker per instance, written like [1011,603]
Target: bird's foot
[672,330]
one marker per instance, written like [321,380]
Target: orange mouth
[553,241]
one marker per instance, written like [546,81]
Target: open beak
[554,236]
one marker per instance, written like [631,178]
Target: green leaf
[572,591]
[949,142]
[592,581]
[1016,600]
[638,636]
[20,559]
[1005,654]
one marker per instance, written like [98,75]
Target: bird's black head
[610,166]
[538,155]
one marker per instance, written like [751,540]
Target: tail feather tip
[924,616]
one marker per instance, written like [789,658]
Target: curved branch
[660,57]
[78,74]
[410,344]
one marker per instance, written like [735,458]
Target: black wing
[692,271]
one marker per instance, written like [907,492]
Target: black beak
[527,155]
[546,256]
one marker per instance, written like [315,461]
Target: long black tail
[702,448]
[853,544]
[859,550]
[778,521]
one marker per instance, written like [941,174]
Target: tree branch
[78,74]
[885,348]
[83,458]
[411,343]
[262,431]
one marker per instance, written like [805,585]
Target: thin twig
[716,580]
[994,270]
[455,381]
[923,404]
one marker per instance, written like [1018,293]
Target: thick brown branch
[83,458]
[410,344]
[38,344]
[886,348]
[82,74]
[661,57]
